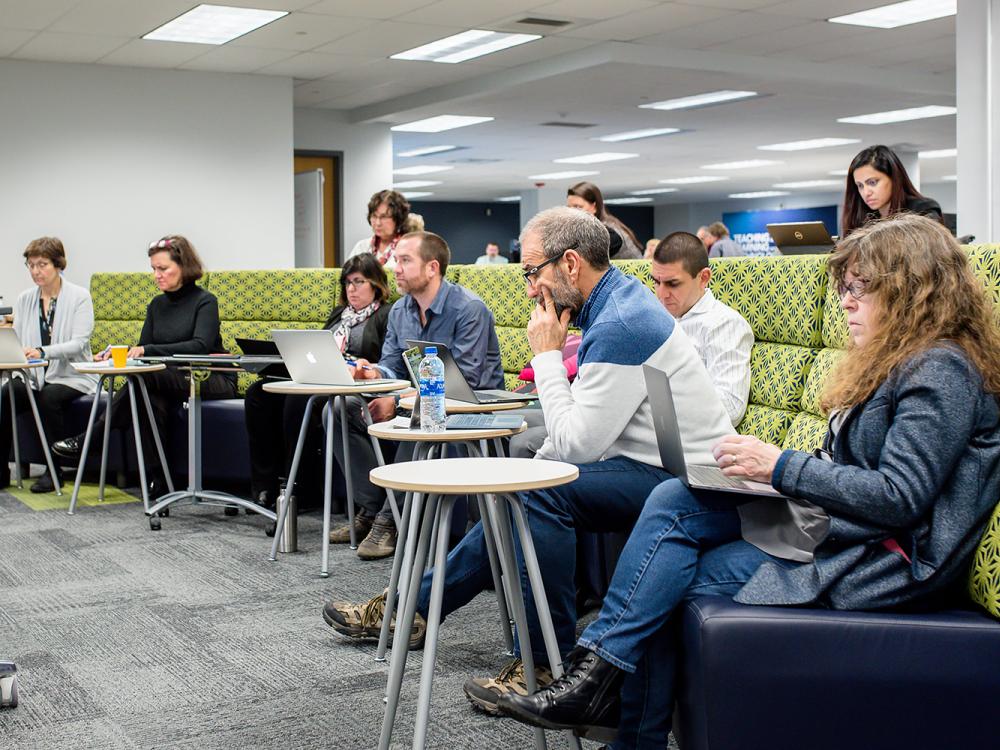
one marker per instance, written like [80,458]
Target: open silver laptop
[668,439]
[801,238]
[11,351]
[313,358]
[457,387]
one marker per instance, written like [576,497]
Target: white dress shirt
[723,340]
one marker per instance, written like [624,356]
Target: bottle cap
[429,350]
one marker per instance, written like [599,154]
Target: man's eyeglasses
[531,273]
[857,288]
[39,265]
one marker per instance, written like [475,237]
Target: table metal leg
[13,430]
[282,502]
[41,437]
[86,444]
[348,482]
[156,433]
[404,624]
[377,447]
[105,442]
[143,485]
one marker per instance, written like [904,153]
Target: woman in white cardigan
[54,321]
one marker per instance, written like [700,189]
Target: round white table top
[451,406]
[288,388]
[98,369]
[23,365]
[458,476]
[399,429]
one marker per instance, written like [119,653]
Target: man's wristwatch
[41,353]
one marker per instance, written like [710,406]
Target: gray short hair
[562,228]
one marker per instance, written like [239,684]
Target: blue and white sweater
[605,413]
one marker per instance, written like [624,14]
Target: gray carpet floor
[190,638]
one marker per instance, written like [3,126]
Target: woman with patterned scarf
[388,214]
[273,420]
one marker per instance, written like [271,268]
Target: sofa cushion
[825,363]
[515,352]
[502,289]
[835,333]
[778,374]
[122,296]
[806,433]
[766,422]
[984,577]
[301,294]
[114,332]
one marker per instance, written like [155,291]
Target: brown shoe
[381,540]
[364,621]
[362,525]
[484,692]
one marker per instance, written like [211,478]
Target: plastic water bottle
[431,376]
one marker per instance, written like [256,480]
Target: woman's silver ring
[732,459]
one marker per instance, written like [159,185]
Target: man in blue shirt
[432,309]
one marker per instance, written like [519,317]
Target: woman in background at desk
[878,186]
[182,320]
[273,420]
[53,321]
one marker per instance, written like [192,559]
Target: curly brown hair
[925,293]
[399,207]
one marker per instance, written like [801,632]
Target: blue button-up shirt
[457,318]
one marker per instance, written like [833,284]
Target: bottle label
[429,388]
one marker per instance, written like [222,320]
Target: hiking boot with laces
[484,692]
[381,540]
[364,621]
[363,521]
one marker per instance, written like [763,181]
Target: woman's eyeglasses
[355,283]
[857,288]
[38,265]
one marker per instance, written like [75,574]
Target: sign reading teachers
[749,228]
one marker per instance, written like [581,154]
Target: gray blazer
[919,462]
[71,331]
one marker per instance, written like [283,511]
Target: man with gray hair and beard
[602,423]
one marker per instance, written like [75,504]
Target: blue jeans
[685,544]
[607,496]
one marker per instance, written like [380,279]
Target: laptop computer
[668,440]
[801,238]
[457,387]
[11,351]
[313,358]
[261,357]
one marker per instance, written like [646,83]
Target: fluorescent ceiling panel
[465,46]
[838,172]
[808,144]
[213,24]
[422,169]
[700,100]
[941,153]
[652,191]
[899,115]
[626,201]
[693,180]
[900,14]
[425,151]
[415,183]
[439,123]
[745,164]
[561,175]
[808,184]
[634,135]
[416,194]
[595,158]
[509,199]
[759,194]
[950,178]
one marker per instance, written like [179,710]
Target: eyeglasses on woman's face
[356,283]
[857,288]
[38,265]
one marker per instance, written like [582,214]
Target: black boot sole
[592,731]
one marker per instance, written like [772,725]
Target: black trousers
[53,400]
[273,421]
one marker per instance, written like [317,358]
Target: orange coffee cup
[119,356]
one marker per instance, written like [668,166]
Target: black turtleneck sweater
[185,321]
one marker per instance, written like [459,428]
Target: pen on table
[354,363]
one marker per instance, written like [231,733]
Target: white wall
[109,159]
[367,163]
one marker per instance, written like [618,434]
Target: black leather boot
[585,696]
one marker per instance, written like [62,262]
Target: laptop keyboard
[470,421]
[713,476]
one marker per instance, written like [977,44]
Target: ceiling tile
[142,53]
[722,31]
[356,9]
[228,59]
[36,14]
[77,48]
[820,9]
[313,65]
[124,17]
[302,31]
[631,26]
[387,38]
[291,5]
[370,95]
[468,15]
[597,10]
[11,39]
[312,93]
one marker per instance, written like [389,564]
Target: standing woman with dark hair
[878,186]
[273,420]
[388,213]
[53,320]
[182,320]
[587,197]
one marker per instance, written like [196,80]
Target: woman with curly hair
[389,216]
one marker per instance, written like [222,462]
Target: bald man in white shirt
[722,337]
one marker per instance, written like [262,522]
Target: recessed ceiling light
[422,169]
[213,24]
[950,178]
[595,158]
[416,183]
[900,14]
[899,115]
[465,46]
[439,123]
[700,100]
[941,153]
[811,143]
[745,164]
[808,184]
[693,180]
[425,151]
[838,172]
[561,175]
[509,199]
[626,201]
[652,191]
[759,194]
[416,194]
[634,135]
